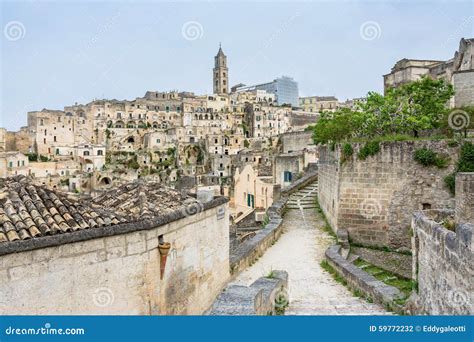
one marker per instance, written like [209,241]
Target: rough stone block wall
[464,86]
[296,141]
[374,198]
[464,197]
[444,261]
[328,184]
[120,274]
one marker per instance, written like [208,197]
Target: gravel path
[299,251]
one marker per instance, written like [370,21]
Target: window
[10,164]
[100,153]
[54,138]
[287,176]
[86,153]
[158,141]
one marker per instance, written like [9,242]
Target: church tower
[220,73]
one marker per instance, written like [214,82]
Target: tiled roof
[30,211]
[144,200]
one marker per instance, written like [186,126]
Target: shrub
[347,152]
[370,148]
[465,164]
[466,158]
[428,157]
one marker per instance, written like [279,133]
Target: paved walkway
[299,251]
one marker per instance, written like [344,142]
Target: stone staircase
[304,198]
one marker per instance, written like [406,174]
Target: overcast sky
[56,53]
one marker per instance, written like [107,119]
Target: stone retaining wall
[266,296]
[443,264]
[374,198]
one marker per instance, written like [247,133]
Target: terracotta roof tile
[28,211]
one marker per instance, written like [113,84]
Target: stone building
[13,164]
[318,103]
[253,188]
[220,73]
[140,249]
[459,71]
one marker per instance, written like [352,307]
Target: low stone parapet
[266,296]
[359,279]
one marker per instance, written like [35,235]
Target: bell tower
[220,73]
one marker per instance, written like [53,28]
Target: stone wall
[296,141]
[374,198]
[120,274]
[464,197]
[266,296]
[443,264]
[464,86]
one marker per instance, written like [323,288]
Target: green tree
[407,109]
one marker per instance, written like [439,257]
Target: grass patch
[341,280]
[270,275]
[327,227]
[406,286]
[328,268]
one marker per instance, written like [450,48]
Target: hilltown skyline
[99,71]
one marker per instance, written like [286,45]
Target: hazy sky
[56,53]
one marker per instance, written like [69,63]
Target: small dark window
[426,206]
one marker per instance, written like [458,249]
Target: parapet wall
[443,263]
[374,198]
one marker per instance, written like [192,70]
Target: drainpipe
[164,248]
